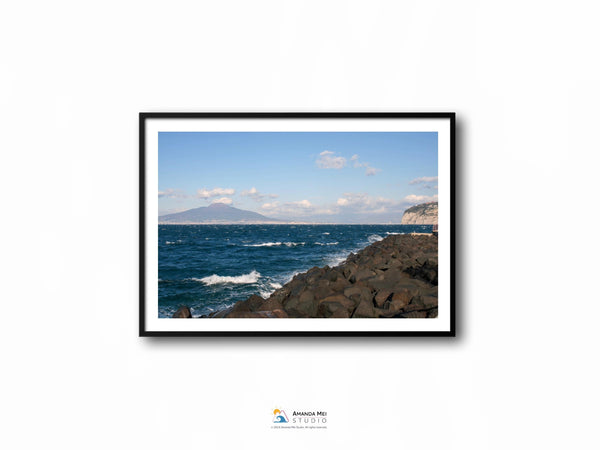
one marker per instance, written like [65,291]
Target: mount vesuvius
[217,213]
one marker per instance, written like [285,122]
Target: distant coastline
[221,214]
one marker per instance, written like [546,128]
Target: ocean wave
[290,276]
[336,259]
[374,238]
[390,233]
[274,244]
[326,232]
[266,290]
[327,243]
[178,241]
[247,278]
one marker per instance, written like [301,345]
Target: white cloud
[302,204]
[255,195]
[351,206]
[205,193]
[224,200]
[364,203]
[369,171]
[423,180]
[326,160]
[270,206]
[172,193]
[416,199]
[298,208]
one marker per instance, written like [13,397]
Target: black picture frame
[144,117]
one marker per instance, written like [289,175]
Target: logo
[279,416]
[301,419]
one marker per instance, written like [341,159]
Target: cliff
[395,277]
[424,214]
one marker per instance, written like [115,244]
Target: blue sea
[210,267]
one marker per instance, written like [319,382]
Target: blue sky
[334,177]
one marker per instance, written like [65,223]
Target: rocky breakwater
[393,278]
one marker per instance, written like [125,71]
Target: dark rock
[341,299]
[429,301]
[383,298]
[322,292]
[340,314]
[363,274]
[401,298]
[326,309]
[271,304]
[306,297]
[365,309]
[296,287]
[339,284]
[353,290]
[254,302]
[306,304]
[332,275]
[182,313]
[248,315]
[280,314]
[250,305]
[349,270]
[302,306]
[359,292]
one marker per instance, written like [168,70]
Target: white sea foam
[264,244]
[274,244]
[290,277]
[247,278]
[266,290]
[326,232]
[389,233]
[336,259]
[374,238]
[327,243]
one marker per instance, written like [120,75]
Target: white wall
[523,79]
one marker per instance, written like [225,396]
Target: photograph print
[296,224]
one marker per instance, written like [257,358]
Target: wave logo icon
[279,416]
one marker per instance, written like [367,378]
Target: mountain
[423,214]
[216,213]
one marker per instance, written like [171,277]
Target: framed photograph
[323,224]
